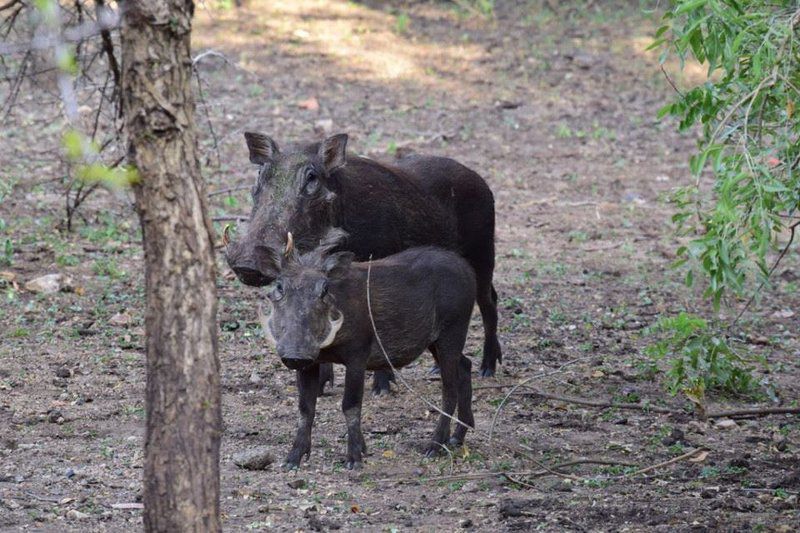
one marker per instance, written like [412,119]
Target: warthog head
[303,316]
[293,193]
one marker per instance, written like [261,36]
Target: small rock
[696,427]
[255,378]
[465,523]
[297,484]
[48,284]
[64,372]
[709,492]
[323,126]
[311,104]
[740,461]
[584,61]
[674,437]
[11,504]
[471,486]
[120,319]
[72,514]
[54,416]
[314,523]
[726,423]
[70,473]
[256,459]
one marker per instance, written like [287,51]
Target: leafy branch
[750,136]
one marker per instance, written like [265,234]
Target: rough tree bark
[181,471]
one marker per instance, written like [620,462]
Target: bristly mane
[314,259]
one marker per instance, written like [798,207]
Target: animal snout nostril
[296,363]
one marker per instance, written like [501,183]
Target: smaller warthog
[420,298]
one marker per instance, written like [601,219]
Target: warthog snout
[296,362]
[240,259]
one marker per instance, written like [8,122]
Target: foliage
[78,39]
[750,134]
[701,359]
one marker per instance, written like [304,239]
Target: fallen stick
[229,190]
[763,411]
[529,390]
[672,461]
[734,413]
[534,473]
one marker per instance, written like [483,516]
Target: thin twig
[792,230]
[223,218]
[671,82]
[533,473]
[687,455]
[204,105]
[763,411]
[229,190]
[597,403]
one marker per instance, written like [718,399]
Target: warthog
[420,298]
[384,209]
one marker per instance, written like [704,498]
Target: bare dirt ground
[555,106]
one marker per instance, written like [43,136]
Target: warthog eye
[312,184]
[277,291]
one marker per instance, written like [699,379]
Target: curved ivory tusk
[336,325]
[226,239]
[265,324]
[289,244]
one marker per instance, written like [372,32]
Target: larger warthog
[421,298]
[420,200]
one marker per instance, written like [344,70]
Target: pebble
[323,126]
[697,427]
[709,492]
[255,378]
[64,372]
[72,514]
[726,423]
[48,284]
[255,459]
[297,484]
[465,523]
[69,473]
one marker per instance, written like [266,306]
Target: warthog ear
[262,148]
[333,152]
[337,264]
[268,260]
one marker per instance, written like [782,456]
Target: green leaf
[689,5]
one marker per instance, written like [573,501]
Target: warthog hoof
[487,372]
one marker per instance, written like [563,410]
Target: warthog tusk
[265,319]
[289,244]
[335,325]
[226,239]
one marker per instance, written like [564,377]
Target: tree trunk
[181,471]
